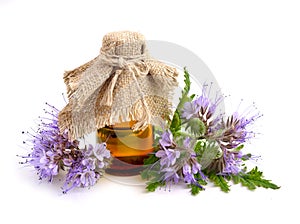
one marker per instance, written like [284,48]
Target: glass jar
[128,148]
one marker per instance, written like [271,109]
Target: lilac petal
[89,150]
[189,110]
[196,167]
[106,153]
[44,160]
[75,182]
[186,169]
[166,139]
[89,163]
[189,178]
[171,175]
[100,164]
[50,153]
[67,161]
[187,142]
[174,156]
[160,153]
[164,161]
[88,178]
[177,154]
[55,170]
[101,152]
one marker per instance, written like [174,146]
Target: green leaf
[247,183]
[185,92]
[219,181]
[202,182]
[236,179]
[192,96]
[195,189]
[151,159]
[210,152]
[199,179]
[246,156]
[253,179]
[239,148]
[196,126]
[199,147]
[147,173]
[153,186]
[175,125]
[187,81]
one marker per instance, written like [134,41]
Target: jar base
[126,166]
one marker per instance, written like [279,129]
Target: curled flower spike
[52,151]
[231,134]
[48,146]
[235,130]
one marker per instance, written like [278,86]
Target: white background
[252,48]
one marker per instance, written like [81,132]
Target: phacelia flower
[190,110]
[170,176]
[102,154]
[187,173]
[80,175]
[232,162]
[187,142]
[167,156]
[177,162]
[202,108]
[166,139]
[89,178]
[191,167]
[52,151]
[235,130]
[88,167]
[48,146]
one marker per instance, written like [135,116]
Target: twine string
[122,63]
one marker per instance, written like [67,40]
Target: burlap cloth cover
[121,84]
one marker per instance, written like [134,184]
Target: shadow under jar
[128,148]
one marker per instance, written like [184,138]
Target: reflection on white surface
[126,180]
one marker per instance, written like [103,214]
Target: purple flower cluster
[190,168]
[177,157]
[87,168]
[233,162]
[177,163]
[168,153]
[203,108]
[52,151]
[48,146]
[234,131]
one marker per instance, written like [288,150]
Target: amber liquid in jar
[128,148]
